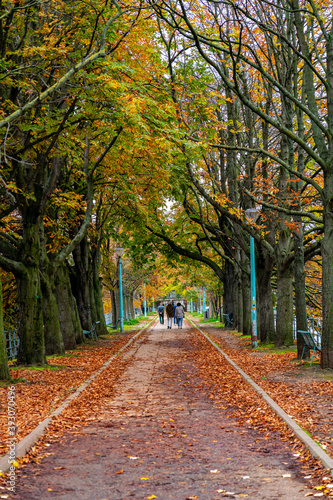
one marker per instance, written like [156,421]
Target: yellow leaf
[144,478]
[120,471]
[152,496]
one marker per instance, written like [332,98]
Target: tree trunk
[4,371]
[266,312]
[54,343]
[98,298]
[114,309]
[327,255]
[30,323]
[68,316]
[80,281]
[300,297]
[284,314]
[132,305]
[228,289]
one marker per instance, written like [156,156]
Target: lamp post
[203,301]
[145,301]
[119,252]
[252,215]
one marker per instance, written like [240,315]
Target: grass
[38,367]
[65,355]
[6,383]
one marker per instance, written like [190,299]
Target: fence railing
[315,327]
[12,343]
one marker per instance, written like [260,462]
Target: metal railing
[12,343]
[315,327]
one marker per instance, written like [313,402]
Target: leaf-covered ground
[175,425]
[301,391]
[305,393]
[40,390]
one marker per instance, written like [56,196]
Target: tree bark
[81,289]
[266,312]
[54,343]
[284,314]
[30,322]
[300,297]
[327,255]
[228,289]
[68,316]
[4,371]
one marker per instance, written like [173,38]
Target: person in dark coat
[170,314]
[160,311]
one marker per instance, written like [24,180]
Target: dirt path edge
[28,441]
[315,450]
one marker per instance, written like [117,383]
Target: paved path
[162,437]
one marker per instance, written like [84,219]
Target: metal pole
[204,300]
[121,298]
[191,307]
[253,295]
[145,301]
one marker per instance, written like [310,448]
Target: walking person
[170,310]
[180,314]
[174,314]
[160,311]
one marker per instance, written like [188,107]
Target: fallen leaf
[58,468]
[144,478]
[215,471]
[286,475]
[151,497]
[120,471]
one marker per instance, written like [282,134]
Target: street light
[119,252]
[204,301]
[145,301]
[252,214]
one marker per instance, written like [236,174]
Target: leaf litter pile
[301,399]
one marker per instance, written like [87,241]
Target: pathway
[162,437]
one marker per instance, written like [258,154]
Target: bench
[228,319]
[92,333]
[309,342]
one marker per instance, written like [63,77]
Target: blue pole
[145,303]
[204,300]
[191,306]
[121,298]
[253,295]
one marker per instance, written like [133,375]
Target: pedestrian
[180,315]
[170,311]
[174,314]
[160,311]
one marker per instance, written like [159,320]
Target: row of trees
[158,126]
[79,120]
[251,83]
